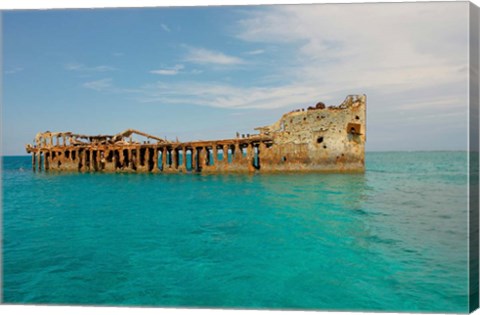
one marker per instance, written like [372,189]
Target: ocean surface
[392,239]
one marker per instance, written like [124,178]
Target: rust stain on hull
[318,139]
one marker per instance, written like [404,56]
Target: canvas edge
[473,165]
[1,156]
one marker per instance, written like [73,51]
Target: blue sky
[208,72]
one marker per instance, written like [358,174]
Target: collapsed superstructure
[319,138]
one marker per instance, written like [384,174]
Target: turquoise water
[394,238]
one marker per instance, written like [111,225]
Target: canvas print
[307,157]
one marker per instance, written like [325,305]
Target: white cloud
[205,56]
[334,50]
[83,68]
[99,85]
[368,46]
[168,71]
[165,28]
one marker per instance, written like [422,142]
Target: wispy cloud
[220,95]
[83,68]
[205,56]
[165,28]
[14,70]
[118,54]
[169,71]
[255,52]
[99,85]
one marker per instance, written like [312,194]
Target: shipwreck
[318,138]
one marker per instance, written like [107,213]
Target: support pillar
[34,161]
[224,163]
[96,160]
[237,157]
[250,156]
[91,164]
[225,154]
[164,158]
[133,158]
[114,159]
[147,158]
[203,157]
[195,166]
[121,158]
[39,161]
[262,149]
[155,159]
[107,160]
[84,160]
[45,163]
[137,159]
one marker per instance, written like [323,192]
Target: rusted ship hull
[316,139]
